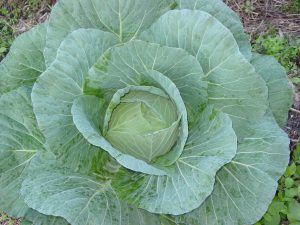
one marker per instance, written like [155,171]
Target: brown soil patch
[260,15]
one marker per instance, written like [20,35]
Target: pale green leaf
[279,89]
[55,90]
[233,85]
[190,180]
[245,187]
[35,218]
[123,19]
[25,61]
[129,65]
[20,140]
[86,111]
[53,189]
[226,16]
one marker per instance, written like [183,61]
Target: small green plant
[248,7]
[284,49]
[286,206]
[292,7]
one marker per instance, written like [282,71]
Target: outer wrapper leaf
[54,92]
[20,140]
[279,89]
[25,61]
[123,19]
[54,189]
[246,186]
[33,217]
[219,10]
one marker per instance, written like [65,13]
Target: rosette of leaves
[140,112]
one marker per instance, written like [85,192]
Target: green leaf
[226,16]
[54,92]
[293,211]
[130,64]
[296,154]
[20,140]
[291,192]
[291,170]
[2,49]
[276,207]
[190,179]
[124,19]
[52,188]
[279,89]
[246,186]
[233,85]
[166,220]
[289,182]
[272,219]
[25,61]
[35,218]
[295,80]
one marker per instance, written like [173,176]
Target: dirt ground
[259,15]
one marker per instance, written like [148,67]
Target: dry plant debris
[259,15]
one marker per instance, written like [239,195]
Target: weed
[286,50]
[285,207]
[292,7]
[248,7]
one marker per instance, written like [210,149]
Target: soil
[259,15]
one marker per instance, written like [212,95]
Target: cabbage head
[140,112]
